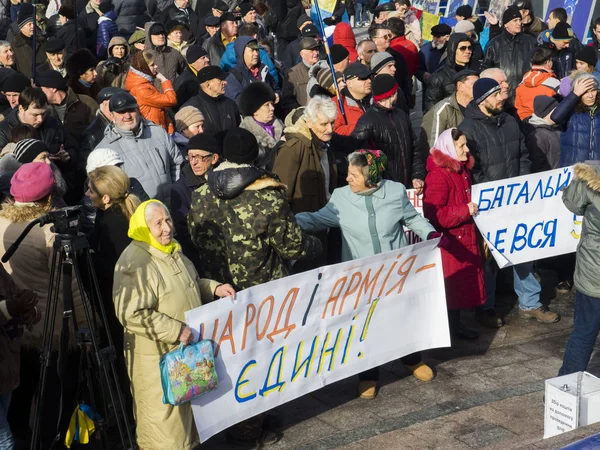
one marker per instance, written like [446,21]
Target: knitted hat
[587,55]
[137,36]
[511,13]
[544,105]
[105,7]
[302,19]
[338,53]
[562,32]
[51,79]
[205,141]
[187,116]
[194,53]
[16,82]
[32,182]
[383,86]
[25,14]
[245,8]
[464,26]
[55,45]
[66,11]
[254,96]
[240,146]
[380,60]
[464,11]
[483,88]
[324,78]
[26,150]
[80,62]
[102,157]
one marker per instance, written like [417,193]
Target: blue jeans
[7,441]
[360,13]
[586,325]
[526,286]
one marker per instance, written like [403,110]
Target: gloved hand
[444,241]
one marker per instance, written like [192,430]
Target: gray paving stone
[485,436]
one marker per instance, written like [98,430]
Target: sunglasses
[464,48]
[387,37]
[203,158]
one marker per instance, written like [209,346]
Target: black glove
[113,65]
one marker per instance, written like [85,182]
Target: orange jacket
[151,102]
[535,82]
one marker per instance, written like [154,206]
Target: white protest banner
[524,219]
[284,339]
[417,201]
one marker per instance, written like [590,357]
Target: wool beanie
[240,146]
[139,63]
[26,150]
[380,60]
[25,15]
[205,141]
[254,96]
[384,86]
[101,157]
[511,13]
[483,88]
[51,79]
[544,105]
[324,78]
[562,32]
[187,116]
[67,11]
[587,55]
[338,53]
[32,182]
[16,82]
[464,11]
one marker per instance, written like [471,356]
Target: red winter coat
[344,36]
[447,192]
[409,52]
[353,111]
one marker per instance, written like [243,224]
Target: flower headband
[377,162]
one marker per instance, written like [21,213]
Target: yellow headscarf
[139,231]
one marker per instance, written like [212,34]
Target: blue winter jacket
[580,135]
[228,61]
[107,29]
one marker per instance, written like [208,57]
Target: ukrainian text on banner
[284,339]
[524,219]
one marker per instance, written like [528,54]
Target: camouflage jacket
[244,229]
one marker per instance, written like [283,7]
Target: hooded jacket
[535,82]
[129,13]
[242,224]
[582,198]
[445,197]
[496,144]
[169,61]
[390,131]
[107,29]
[510,53]
[149,155]
[220,113]
[240,76]
[113,71]
[441,83]
[229,60]
[344,36]
[543,143]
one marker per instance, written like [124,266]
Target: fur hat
[16,82]
[80,62]
[254,96]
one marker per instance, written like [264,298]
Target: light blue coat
[370,224]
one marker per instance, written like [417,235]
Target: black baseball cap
[107,93]
[210,73]
[122,101]
[357,70]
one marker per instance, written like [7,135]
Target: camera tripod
[68,244]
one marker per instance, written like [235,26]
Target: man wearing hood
[168,60]
[499,150]
[215,46]
[248,69]
[540,80]
[441,82]
[344,36]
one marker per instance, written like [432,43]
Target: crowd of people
[215,145]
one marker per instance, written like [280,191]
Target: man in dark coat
[182,13]
[387,128]
[287,28]
[510,50]
[441,82]
[186,85]
[220,113]
[432,55]
[215,46]
[543,142]
[499,150]
[291,56]
[564,46]
[22,43]
[73,36]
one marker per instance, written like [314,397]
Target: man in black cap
[12,87]
[511,49]
[382,11]
[248,15]
[186,85]
[215,46]
[22,42]
[564,46]
[356,98]
[294,89]
[532,24]
[498,147]
[212,25]
[340,57]
[75,111]
[170,62]
[94,133]
[55,57]
[291,55]
[181,12]
[74,37]
[220,113]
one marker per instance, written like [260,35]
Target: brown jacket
[24,53]
[9,348]
[296,85]
[80,113]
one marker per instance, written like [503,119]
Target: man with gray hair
[305,162]
[7,56]
[366,49]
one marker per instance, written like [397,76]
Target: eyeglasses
[464,48]
[387,37]
[203,158]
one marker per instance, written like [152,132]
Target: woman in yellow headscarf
[154,285]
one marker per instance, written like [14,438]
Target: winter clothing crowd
[215,145]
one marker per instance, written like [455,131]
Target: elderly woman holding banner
[448,206]
[370,206]
[154,285]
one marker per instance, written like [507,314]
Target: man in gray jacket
[149,154]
